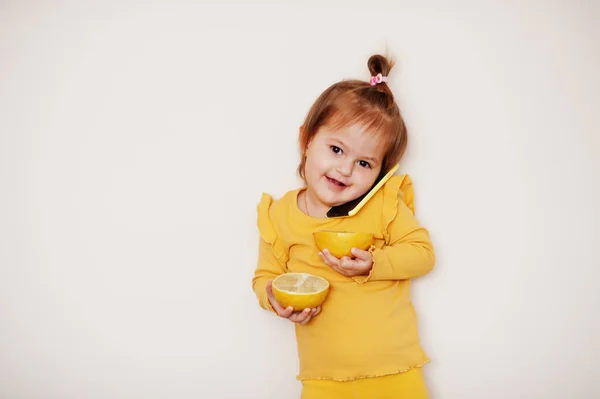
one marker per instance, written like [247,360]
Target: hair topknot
[380,64]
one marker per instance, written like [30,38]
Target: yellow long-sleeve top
[367,326]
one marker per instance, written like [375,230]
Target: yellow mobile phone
[352,207]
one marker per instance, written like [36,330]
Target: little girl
[363,343]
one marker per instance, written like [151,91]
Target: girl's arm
[267,269]
[408,254]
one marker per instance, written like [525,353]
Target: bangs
[349,110]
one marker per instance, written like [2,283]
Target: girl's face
[341,165]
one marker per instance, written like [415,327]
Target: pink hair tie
[378,79]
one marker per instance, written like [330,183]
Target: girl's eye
[335,149]
[364,164]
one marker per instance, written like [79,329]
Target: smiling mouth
[335,182]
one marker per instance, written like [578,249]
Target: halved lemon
[300,290]
[339,243]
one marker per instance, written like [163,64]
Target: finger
[358,266]
[345,261]
[295,316]
[341,270]
[287,312]
[331,260]
[317,311]
[349,265]
[324,259]
[298,317]
[338,269]
[328,259]
[304,317]
[276,306]
[361,254]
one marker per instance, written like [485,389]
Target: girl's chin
[334,203]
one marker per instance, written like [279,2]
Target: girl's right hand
[302,317]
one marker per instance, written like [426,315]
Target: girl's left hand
[360,265]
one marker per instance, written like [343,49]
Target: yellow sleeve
[271,253]
[409,251]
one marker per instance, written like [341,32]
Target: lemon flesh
[339,243]
[300,290]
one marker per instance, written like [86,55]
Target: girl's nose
[345,168]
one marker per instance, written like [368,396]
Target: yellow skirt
[409,385]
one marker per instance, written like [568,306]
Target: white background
[136,138]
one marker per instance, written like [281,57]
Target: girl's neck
[312,206]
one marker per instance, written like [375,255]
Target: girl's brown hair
[353,101]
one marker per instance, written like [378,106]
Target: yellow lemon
[300,290]
[339,243]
